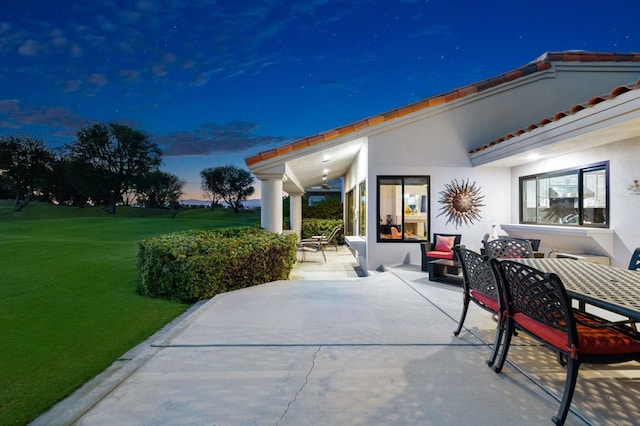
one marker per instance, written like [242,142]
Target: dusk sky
[213,82]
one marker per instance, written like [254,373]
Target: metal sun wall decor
[462,202]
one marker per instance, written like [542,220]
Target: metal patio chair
[508,248]
[311,247]
[537,304]
[480,286]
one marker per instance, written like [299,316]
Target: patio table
[614,289]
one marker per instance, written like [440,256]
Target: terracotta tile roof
[561,114]
[541,63]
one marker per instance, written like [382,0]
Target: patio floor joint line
[298,345]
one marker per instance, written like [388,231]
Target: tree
[210,184]
[159,189]
[119,154]
[25,164]
[229,183]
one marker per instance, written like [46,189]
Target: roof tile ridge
[589,56]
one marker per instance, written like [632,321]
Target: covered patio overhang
[292,169]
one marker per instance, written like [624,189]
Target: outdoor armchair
[440,248]
[537,303]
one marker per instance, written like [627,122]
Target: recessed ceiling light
[534,156]
[326,159]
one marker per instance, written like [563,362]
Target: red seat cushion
[591,341]
[487,301]
[440,254]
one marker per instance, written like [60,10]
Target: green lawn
[68,301]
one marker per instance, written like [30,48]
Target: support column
[271,211]
[295,213]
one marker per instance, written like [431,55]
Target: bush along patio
[194,265]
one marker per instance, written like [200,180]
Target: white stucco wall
[358,170]
[413,150]
[494,186]
[624,205]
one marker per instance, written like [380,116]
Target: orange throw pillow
[444,243]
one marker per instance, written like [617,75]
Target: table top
[608,287]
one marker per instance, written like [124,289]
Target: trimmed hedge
[195,265]
[311,227]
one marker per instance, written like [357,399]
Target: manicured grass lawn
[68,301]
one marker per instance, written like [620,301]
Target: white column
[295,213]
[271,213]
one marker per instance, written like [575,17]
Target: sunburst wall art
[461,202]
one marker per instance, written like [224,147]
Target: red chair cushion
[440,254]
[487,301]
[591,341]
[444,243]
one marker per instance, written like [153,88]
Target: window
[403,208]
[363,209]
[577,197]
[351,213]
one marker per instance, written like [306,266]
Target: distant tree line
[107,165]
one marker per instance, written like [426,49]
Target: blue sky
[213,82]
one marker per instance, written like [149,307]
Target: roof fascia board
[597,67]
[623,108]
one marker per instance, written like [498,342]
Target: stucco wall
[624,206]
[387,157]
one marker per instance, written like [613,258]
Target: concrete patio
[329,347]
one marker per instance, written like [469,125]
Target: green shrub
[311,227]
[196,265]
[329,208]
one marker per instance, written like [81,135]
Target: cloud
[98,79]
[130,75]
[72,85]
[234,136]
[9,106]
[201,79]
[28,48]
[59,118]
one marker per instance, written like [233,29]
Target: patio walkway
[341,349]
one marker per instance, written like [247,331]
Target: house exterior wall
[435,142]
[624,204]
[496,210]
